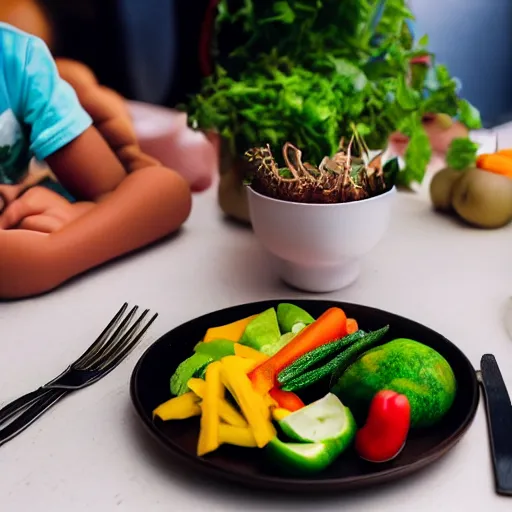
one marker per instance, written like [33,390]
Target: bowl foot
[323,279]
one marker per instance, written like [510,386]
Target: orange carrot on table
[505,152]
[330,326]
[496,163]
[286,400]
[352,326]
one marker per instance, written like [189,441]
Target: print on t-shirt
[14,158]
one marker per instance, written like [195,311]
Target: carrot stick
[352,326]
[496,163]
[328,327]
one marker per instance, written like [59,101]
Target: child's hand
[8,193]
[40,209]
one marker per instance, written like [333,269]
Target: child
[109,212]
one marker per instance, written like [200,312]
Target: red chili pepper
[385,432]
[286,400]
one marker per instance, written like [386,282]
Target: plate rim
[305,485]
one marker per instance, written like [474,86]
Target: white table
[90,453]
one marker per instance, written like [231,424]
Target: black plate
[150,387]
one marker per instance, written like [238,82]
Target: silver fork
[105,354]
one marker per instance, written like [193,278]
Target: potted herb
[309,72]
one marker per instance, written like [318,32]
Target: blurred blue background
[474,39]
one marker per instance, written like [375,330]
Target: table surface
[90,451]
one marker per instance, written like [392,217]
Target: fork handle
[36,408]
[13,408]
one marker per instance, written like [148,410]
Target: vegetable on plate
[216,349]
[191,367]
[286,400]
[330,326]
[245,397]
[315,356]
[384,435]
[232,331]
[263,330]
[338,364]
[352,325]
[406,367]
[291,318]
[227,412]
[179,408]
[316,436]
[210,417]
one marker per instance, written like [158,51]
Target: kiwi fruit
[483,199]
[441,188]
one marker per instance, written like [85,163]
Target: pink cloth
[163,133]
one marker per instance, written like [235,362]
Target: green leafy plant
[461,154]
[307,71]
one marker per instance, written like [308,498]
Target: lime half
[326,419]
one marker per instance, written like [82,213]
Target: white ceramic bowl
[318,247]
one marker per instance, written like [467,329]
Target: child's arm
[129,211]
[87,167]
[148,205]
[140,209]
[109,113]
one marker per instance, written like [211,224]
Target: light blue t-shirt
[39,112]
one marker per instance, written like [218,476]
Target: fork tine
[100,338]
[96,354]
[116,345]
[120,355]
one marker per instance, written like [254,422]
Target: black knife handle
[499,421]
[31,414]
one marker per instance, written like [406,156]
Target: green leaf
[348,69]
[423,40]
[307,71]
[461,154]
[406,97]
[390,170]
[305,6]
[363,129]
[417,157]
[284,14]
[419,74]
[284,10]
[469,115]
